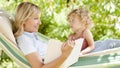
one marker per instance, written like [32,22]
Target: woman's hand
[67,48]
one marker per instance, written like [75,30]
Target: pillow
[6,26]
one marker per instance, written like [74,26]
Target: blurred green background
[105,15]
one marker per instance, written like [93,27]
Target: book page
[54,51]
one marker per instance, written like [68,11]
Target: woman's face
[32,24]
[75,23]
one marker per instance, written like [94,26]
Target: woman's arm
[89,37]
[35,60]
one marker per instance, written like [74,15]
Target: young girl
[27,21]
[80,24]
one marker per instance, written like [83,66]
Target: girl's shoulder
[86,32]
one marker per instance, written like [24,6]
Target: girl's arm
[89,37]
[35,60]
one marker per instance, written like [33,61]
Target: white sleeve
[26,44]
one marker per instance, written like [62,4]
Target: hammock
[13,52]
[104,59]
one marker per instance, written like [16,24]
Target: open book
[54,51]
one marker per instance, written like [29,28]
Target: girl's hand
[67,48]
[80,54]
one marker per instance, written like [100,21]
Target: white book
[54,51]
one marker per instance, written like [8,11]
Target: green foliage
[6,62]
[105,14]
[4,57]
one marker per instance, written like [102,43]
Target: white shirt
[29,42]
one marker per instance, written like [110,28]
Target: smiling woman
[32,24]
[27,21]
[24,16]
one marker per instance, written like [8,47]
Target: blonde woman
[27,21]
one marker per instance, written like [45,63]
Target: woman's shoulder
[25,36]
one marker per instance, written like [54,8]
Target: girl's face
[32,24]
[75,23]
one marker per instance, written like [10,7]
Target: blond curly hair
[83,15]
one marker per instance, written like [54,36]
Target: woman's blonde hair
[83,15]
[24,11]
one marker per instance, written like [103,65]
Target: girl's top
[85,43]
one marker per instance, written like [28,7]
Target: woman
[27,21]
